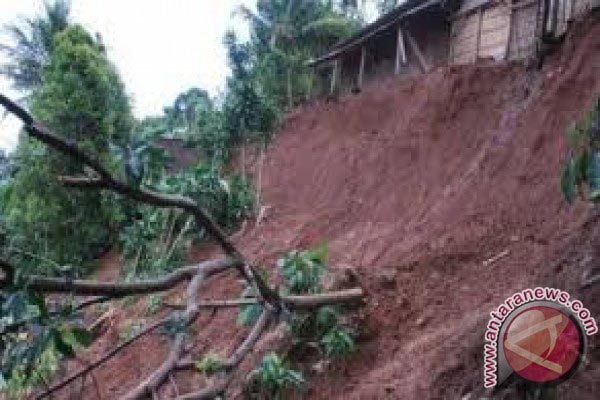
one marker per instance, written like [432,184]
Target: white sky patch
[161,48]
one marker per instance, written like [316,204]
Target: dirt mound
[448,186]
[442,192]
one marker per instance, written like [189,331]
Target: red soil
[415,184]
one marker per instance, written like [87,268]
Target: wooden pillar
[415,48]
[478,38]
[400,51]
[361,68]
[451,43]
[511,18]
[334,76]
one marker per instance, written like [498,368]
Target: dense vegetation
[74,89]
[70,85]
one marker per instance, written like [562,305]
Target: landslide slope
[442,192]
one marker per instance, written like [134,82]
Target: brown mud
[442,194]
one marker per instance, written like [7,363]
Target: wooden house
[419,35]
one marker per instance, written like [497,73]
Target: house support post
[478,39]
[361,68]
[334,76]
[415,48]
[400,51]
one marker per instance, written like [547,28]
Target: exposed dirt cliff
[442,193]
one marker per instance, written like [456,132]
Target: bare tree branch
[348,296]
[235,359]
[112,289]
[189,315]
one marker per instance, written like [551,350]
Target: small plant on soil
[210,364]
[275,376]
[581,173]
[321,329]
[303,270]
[153,304]
[338,342]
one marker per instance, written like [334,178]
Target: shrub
[275,376]
[582,169]
[210,364]
[338,342]
[303,270]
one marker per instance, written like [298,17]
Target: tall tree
[32,43]
[187,110]
[83,99]
[286,33]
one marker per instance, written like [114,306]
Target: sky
[160,47]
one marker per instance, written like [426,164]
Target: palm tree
[295,30]
[31,46]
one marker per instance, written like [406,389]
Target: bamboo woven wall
[480,30]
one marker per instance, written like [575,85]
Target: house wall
[501,30]
[480,30]
[524,30]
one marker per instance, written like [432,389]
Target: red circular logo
[542,344]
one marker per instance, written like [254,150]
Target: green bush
[210,364]
[275,376]
[581,171]
[338,342]
[303,270]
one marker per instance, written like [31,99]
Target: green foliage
[275,376]
[303,270]
[83,100]
[32,339]
[153,304]
[210,364]
[82,97]
[285,34]
[338,342]
[32,44]
[249,313]
[581,171]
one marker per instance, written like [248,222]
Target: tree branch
[296,302]
[235,359]
[189,315]
[92,288]
[348,296]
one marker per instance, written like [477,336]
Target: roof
[409,7]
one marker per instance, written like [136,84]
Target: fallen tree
[96,177]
